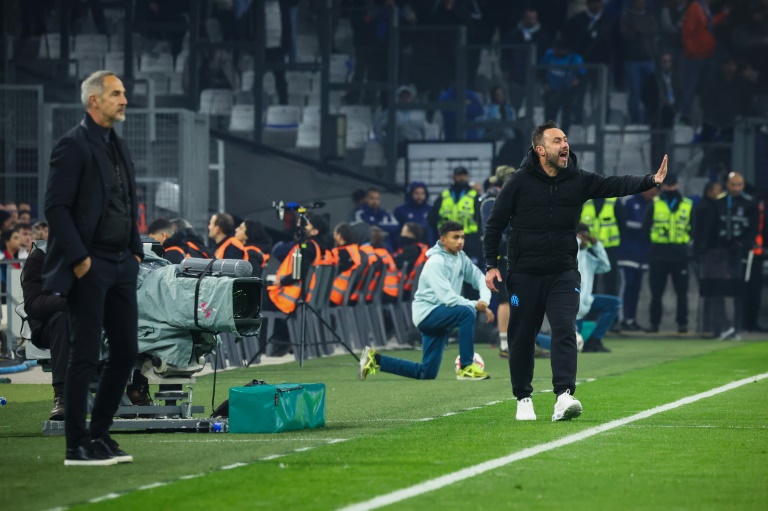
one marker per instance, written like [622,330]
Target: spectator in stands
[169,18]
[632,256]
[371,213]
[416,207]
[256,242]
[705,241]
[672,24]
[668,225]
[736,235]
[589,34]
[6,220]
[562,83]
[25,216]
[438,308]
[25,239]
[221,229]
[358,199]
[514,62]
[10,241]
[698,48]
[460,203]
[592,260]
[409,124]
[661,96]
[640,31]
[11,208]
[39,231]
[725,97]
[499,109]
[473,107]
[47,315]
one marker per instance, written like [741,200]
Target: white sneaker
[728,334]
[525,410]
[579,342]
[567,407]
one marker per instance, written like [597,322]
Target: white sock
[503,342]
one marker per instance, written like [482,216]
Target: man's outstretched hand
[491,277]
[662,172]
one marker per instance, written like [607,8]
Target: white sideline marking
[448,479]
[108,496]
[233,465]
[152,485]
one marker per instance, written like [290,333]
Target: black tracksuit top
[543,213]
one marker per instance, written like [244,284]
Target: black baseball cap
[460,170]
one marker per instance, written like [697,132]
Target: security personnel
[668,224]
[221,229]
[348,258]
[460,203]
[413,252]
[600,215]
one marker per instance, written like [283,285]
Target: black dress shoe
[110,446]
[594,345]
[88,456]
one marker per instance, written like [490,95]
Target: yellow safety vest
[603,226]
[462,211]
[671,228]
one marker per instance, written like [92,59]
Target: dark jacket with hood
[412,212]
[543,213]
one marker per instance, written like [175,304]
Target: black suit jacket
[76,199]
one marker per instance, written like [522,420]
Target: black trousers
[657,278]
[531,296]
[753,296]
[56,331]
[104,298]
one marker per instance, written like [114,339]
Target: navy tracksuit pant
[531,296]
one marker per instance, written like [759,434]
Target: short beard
[554,161]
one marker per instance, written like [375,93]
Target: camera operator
[221,230]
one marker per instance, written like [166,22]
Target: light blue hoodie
[589,265]
[441,280]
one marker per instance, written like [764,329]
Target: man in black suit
[93,258]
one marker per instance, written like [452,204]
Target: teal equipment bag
[276,408]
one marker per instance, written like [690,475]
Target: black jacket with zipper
[543,213]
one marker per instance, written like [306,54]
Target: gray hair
[93,86]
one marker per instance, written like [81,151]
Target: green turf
[710,454]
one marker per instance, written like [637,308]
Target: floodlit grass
[711,454]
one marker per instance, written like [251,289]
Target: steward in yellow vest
[460,203]
[602,225]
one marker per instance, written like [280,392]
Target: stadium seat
[360,113]
[308,136]
[50,46]
[373,155]
[311,115]
[340,68]
[242,119]
[216,102]
[91,44]
[283,117]
[156,63]
[358,134]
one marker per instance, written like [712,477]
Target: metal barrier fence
[170,150]
[20,125]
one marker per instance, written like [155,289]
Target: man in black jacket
[93,256]
[47,315]
[541,203]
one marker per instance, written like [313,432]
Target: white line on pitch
[452,478]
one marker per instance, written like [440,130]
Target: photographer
[314,246]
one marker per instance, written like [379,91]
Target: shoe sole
[90,463]
[124,459]
[573,411]
[529,418]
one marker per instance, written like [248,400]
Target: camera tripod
[302,306]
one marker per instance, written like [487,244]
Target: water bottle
[3,401]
